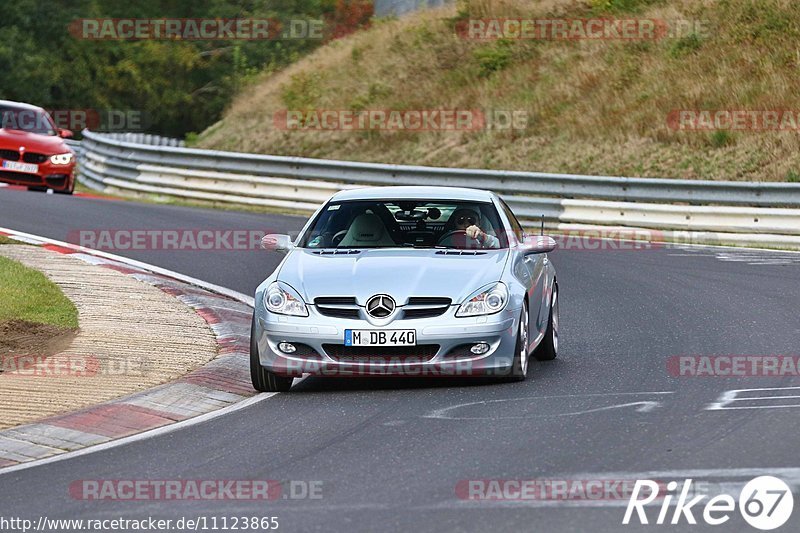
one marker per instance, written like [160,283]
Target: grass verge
[27,295]
[598,107]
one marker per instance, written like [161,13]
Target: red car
[32,149]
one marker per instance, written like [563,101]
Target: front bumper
[58,177]
[446,337]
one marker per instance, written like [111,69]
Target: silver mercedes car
[406,281]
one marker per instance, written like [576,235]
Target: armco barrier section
[115,163]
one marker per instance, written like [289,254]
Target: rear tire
[548,348]
[264,380]
[519,366]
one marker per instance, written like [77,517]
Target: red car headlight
[62,159]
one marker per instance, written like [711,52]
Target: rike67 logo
[765,503]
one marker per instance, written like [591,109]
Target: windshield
[406,223]
[24,119]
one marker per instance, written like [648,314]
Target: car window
[516,227]
[23,119]
[406,223]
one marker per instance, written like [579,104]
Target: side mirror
[64,134]
[277,242]
[538,244]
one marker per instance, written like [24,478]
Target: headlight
[485,301]
[61,159]
[281,299]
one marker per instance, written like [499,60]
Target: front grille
[11,155]
[338,313]
[425,306]
[33,157]
[20,177]
[56,180]
[378,354]
[424,312]
[428,300]
[337,306]
[335,300]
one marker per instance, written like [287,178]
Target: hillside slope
[593,106]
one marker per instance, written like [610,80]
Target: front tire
[548,348]
[519,367]
[264,380]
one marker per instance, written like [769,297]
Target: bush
[492,58]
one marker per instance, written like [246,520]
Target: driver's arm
[483,238]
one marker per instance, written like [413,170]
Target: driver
[467,220]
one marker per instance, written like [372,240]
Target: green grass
[6,240]
[26,294]
[593,106]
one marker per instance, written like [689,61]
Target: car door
[535,266]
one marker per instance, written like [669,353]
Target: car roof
[21,105]
[414,193]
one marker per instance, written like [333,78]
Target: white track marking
[726,400]
[645,406]
[140,436]
[750,256]
[36,239]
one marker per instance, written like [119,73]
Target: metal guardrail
[75,145]
[146,138]
[505,182]
[117,164]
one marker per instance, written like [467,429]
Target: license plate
[380,337]
[21,167]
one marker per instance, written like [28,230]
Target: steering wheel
[452,233]
[337,237]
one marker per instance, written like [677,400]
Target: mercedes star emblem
[380,306]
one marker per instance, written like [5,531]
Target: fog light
[286,347]
[480,348]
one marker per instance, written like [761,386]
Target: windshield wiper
[426,247]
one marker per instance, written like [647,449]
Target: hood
[398,273]
[43,144]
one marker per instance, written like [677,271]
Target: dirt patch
[19,337]
[132,336]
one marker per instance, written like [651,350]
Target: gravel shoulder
[132,337]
